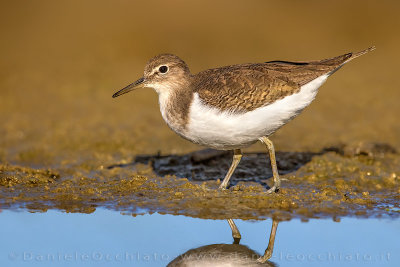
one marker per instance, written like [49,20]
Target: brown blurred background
[62,60]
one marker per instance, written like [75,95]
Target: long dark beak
[129,88]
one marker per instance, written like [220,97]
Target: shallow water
[108,238]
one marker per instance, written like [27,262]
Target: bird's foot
[222,187]
[274,189]
[265,257]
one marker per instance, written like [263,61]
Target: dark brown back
[245,87]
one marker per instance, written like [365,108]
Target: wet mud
[360,180]
[66,144]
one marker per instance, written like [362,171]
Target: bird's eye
[163,69]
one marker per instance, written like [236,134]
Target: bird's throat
[174,107]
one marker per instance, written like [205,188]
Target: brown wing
[245,87]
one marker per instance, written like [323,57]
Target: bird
[228,254]
[233,107]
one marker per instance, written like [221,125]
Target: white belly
[224,130]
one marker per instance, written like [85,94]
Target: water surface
[108,238]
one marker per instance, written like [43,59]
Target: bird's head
[164,73]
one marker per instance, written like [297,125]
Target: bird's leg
[268,252]
[277,181]
[237,155]
[235,232]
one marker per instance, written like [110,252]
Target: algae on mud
[326,184]
[60,129]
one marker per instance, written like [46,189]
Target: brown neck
[175,110]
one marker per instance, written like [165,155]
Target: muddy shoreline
[66,144]
[363,183]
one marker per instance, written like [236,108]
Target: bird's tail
[356,55]
[338,62]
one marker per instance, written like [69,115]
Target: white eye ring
[163,69]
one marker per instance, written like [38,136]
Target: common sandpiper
[232,107]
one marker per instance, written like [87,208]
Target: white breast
[225,130]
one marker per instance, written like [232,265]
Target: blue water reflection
[107,238]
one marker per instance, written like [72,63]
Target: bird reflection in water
[228,254]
